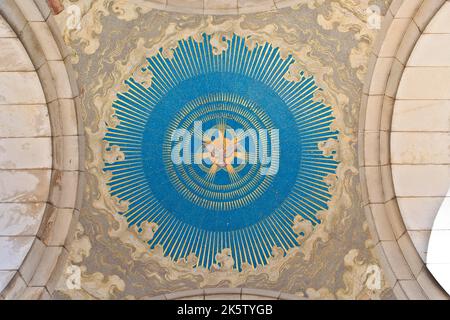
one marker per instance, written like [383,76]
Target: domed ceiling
[221,151]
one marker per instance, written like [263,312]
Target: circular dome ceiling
[220,152]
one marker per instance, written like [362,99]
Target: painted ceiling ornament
[220,153]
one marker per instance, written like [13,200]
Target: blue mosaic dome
[219,197]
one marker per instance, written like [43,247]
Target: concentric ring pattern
[246,139]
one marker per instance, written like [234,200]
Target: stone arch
[380,149]
[37,220]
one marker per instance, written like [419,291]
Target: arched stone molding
[226,294]
[39,268]
[45,215]
[220,7]
[403,267]
[438,255]
[420,142]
